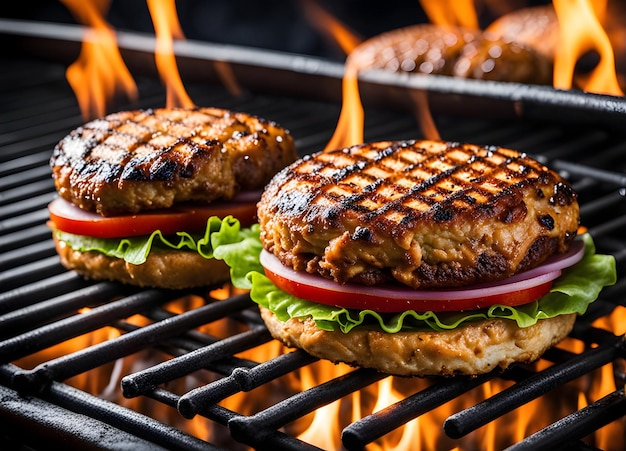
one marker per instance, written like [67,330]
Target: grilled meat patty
[139,160]
[423,48]
[455,51]
[536,27]
[423,213]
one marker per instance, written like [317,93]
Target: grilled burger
[453,51]
[421,257]
[137,189]
[536,27]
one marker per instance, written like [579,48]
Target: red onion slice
[528,279]
[247,196]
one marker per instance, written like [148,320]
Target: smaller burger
[142,192]
[453,51]
[421,257]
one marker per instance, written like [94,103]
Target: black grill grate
[43,306]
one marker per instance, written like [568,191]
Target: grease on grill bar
[180,357]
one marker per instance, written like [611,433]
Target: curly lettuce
[572,292]
[135,250]
[240,248]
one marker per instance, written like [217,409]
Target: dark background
[270,24]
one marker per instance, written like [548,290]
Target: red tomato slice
[518,290]
[71,219]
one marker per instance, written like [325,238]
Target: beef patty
[423,213]
[435,50]
[139,160]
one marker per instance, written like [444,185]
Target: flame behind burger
[420,257]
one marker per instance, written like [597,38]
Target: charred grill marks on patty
[130,161]
[445,213]
[371,185]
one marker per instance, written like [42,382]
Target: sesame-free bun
[475,348]
[169,269]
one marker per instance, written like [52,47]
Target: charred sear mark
[443,214]
[514,214]
[163,170]
[547,221]
[332,214]
[372,187]
[562,195]
[348,170]
[362,233]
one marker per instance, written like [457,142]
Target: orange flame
[328,25]
[423,114]
[350,125]
[167,27]
[321,432]
[99,73]
[580,31]
[349,130]
[225,74]
[451,12]
[323,427]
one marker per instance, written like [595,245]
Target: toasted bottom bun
[171,269]
[472,349]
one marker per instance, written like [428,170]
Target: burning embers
[228,372]
[536,45]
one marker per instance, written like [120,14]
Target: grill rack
[40,300]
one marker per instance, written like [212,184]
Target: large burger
[142,192]
[420,257]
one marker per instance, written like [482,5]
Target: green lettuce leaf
[240,248]
[135,250]
[577,287]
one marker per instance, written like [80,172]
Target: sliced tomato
[71,219]
[517,290]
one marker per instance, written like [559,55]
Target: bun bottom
[171,269]
[472,349]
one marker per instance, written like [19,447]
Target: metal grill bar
[42,425]
[51,334]
[78,362]
[196,401]
[215,412]
[20,320]
[40,290]
[138,425]
[138,383]
[576,425]
[474,417]
[262,426]
[374,426]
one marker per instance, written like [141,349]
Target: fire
[323,433]
[580,31]
[323,427]
[326,24]
[350,125]
[167,27]
[99,73]
[349,130]
[411,432]
[451,13]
